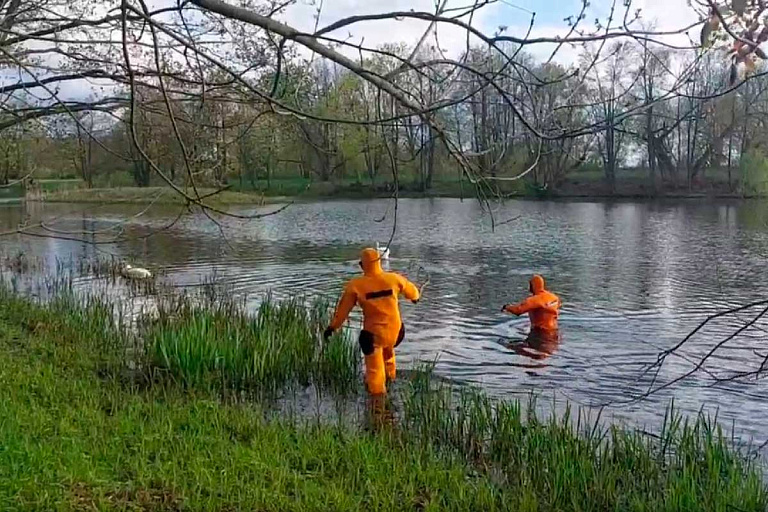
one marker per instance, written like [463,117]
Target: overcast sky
[516,15]
[513,14]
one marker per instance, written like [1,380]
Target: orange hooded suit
[376,292]
[543,307]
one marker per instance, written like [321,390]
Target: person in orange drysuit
[543,307]
[376,292]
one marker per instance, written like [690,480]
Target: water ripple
[634,279]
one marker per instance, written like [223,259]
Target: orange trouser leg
[389,362]
[375,377]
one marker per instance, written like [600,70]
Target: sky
[514,14]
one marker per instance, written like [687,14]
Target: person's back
[377,294]
[543,306]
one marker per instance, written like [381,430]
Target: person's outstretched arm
[524,307]
[346,303]
[409,290]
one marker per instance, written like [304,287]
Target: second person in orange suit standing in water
[543,308]
[376,292]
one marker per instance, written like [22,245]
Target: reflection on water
[634,278]
[538,345]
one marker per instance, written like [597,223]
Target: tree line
[626,110]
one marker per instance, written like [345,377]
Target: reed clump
[573,462]
[219,345]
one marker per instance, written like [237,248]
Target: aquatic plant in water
[223,346]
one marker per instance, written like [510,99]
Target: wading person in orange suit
[376,292]
[543,308]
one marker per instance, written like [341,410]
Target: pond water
[634,279]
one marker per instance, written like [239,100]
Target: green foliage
[754,173]
[14,154]
[222,346]
[565,463]
[75,435]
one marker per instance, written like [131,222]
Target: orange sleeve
[533,302]
[346,303]
[408,289]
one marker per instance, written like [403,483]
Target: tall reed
[222,346]
[576,463]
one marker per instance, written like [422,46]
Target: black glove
[327,333]
[504,308]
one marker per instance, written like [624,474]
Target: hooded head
[370,261]
[536,284]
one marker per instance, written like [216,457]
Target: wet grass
[218,346]
[577,463]
[75,438]
[76,434]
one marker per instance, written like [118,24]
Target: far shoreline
[167,196]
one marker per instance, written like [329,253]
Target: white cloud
[665,15]
[452,39]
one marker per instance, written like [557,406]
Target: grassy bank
[580,186]
[353,189]
[279,190]
[152,195]
[96,417]
[76,438]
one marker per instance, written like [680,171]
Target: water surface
[634,279]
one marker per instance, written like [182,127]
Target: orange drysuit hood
[537,284]
[371,262]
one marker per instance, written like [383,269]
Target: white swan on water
[383,251]
[136,272]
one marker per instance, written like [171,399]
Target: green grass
[580,183]
[78,432]
[73,438]
[278,190]
[48,186]
[54,185]
[565,463]
[218,345]
[147,195]
[353,189]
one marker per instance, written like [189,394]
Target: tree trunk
[430,168]
[651,150]
[610,151]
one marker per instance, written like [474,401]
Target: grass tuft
[223,347]
[565,463]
